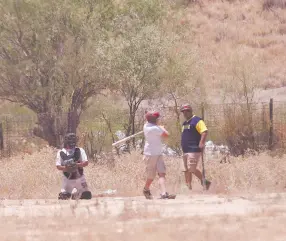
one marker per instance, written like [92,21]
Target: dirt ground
[188,217]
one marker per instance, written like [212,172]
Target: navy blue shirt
[191,134]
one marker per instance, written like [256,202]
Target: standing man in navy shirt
[194,135]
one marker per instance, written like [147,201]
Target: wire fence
[238,126]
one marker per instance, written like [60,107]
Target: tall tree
[181,79]
[52,59]
[140,53]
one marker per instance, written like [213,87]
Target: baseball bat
[126,138]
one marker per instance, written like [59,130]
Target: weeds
[37,177]
[268,4]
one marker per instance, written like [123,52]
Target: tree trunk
[176,107]
[131,124]
[133,129]
[53,126]
[73,121]
[108,124]
[48,129]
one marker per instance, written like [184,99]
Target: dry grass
[260,173]
[222,28]
[35,176]
[268,4]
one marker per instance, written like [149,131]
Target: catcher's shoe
[189,185]
[147,194]
[74,194]
[64,196]
[86,195]
[167,196]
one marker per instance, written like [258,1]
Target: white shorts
[154,164]
[79,183]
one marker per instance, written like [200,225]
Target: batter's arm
[203,140]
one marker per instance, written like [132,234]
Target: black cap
[70,140]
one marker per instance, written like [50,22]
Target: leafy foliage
[56,55]
[51,59]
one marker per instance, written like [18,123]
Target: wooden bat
[126,138]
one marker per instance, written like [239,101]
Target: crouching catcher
[71,160]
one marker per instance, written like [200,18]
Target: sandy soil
[193,217]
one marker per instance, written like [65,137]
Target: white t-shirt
[153,141]
[59,160]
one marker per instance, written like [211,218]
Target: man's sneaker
[74,194]
[167,196]
[189,185]
[208,183]
[64,196]
[147,194]
[74,197]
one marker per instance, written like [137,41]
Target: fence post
[264,122]
[270,144]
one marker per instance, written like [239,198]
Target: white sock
[162,185]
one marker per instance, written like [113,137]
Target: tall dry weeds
[268,4]
[35,176]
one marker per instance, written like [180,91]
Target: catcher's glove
[69,162]
[70,165]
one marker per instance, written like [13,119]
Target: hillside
[221,32]
[223,40]
[224,29]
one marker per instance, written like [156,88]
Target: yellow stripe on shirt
[201,127]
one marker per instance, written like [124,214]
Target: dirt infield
[194,217]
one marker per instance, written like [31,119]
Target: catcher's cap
[70,140]
[152,116]
[185,107]
[70,136]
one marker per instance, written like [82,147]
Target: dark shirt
[191,134]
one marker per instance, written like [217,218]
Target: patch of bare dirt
[195,217]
